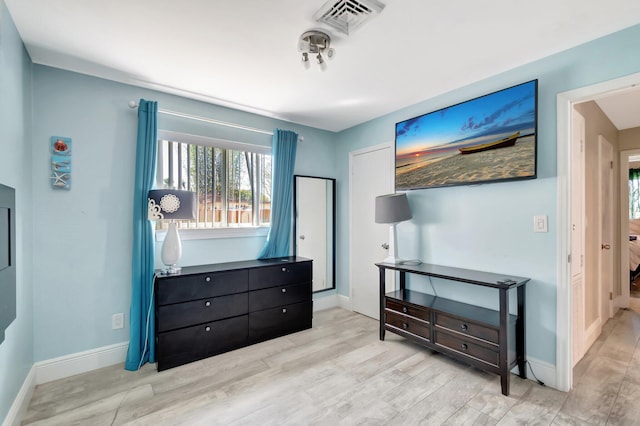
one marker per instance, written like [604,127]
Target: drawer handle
[207,279]
[404,309]
[207,303]
[207,329]
[284,269]
[405,325]
[464,327]
[284,310]
[284,290]
[464,346]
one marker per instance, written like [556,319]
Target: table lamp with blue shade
[392,209]
[171,205]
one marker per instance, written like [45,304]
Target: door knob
[605,246]
[385,246]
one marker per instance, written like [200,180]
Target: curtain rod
[134,105]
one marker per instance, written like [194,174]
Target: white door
[311,232]
[371,175]
[577,236]
[606,218]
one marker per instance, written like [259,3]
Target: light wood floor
[339,373]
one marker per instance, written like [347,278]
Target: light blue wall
[16,352]
[74,262]
[82,237]
[490,227]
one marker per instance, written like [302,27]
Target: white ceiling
[243,53]
[623,109]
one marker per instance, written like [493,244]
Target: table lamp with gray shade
[171,205]
[392,209]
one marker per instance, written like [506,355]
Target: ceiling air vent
[346,15]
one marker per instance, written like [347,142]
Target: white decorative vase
[172,249]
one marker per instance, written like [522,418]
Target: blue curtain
[141,319]
[283,162]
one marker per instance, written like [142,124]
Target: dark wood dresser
[210,309]
[491,340]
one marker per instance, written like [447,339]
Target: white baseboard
[325,302]
[345,302]
[80,362]
[544,371]
[60,368]
[19,407]
[332,301]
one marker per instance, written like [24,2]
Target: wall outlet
[117,321]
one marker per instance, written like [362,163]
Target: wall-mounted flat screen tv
[492,138]
[7,258]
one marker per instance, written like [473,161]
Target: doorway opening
[565,298]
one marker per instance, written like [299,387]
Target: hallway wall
[597,123]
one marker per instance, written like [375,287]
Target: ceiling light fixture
[316,43]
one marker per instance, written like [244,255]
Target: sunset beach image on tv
[487,139]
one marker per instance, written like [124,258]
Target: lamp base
[393,260]
[171,250]
[171,270]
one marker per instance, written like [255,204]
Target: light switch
[540,224]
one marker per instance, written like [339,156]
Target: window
[232,181]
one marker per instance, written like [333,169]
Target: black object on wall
[7,258]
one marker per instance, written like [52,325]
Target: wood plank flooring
[339,373]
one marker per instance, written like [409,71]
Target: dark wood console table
[493,341]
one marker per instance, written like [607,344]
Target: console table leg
[382,290]
[504,341]
[504,382]
[520,334]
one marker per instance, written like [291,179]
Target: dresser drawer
[467,347]
[278,296]
[192,343]
[279,275]
[200,286]
[466,327]
[414,311]
[199,311]
[408,324]
[275,322]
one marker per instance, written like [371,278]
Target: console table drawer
[414,311]
[275,322]
[467,347]
[181,289]
[278,296]
[199,311]
[279,275]
[466,327]
[200,341]
[408,324]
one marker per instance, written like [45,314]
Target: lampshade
[171,205]
[392,208]
[168,204]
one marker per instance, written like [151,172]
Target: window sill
[210,234]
